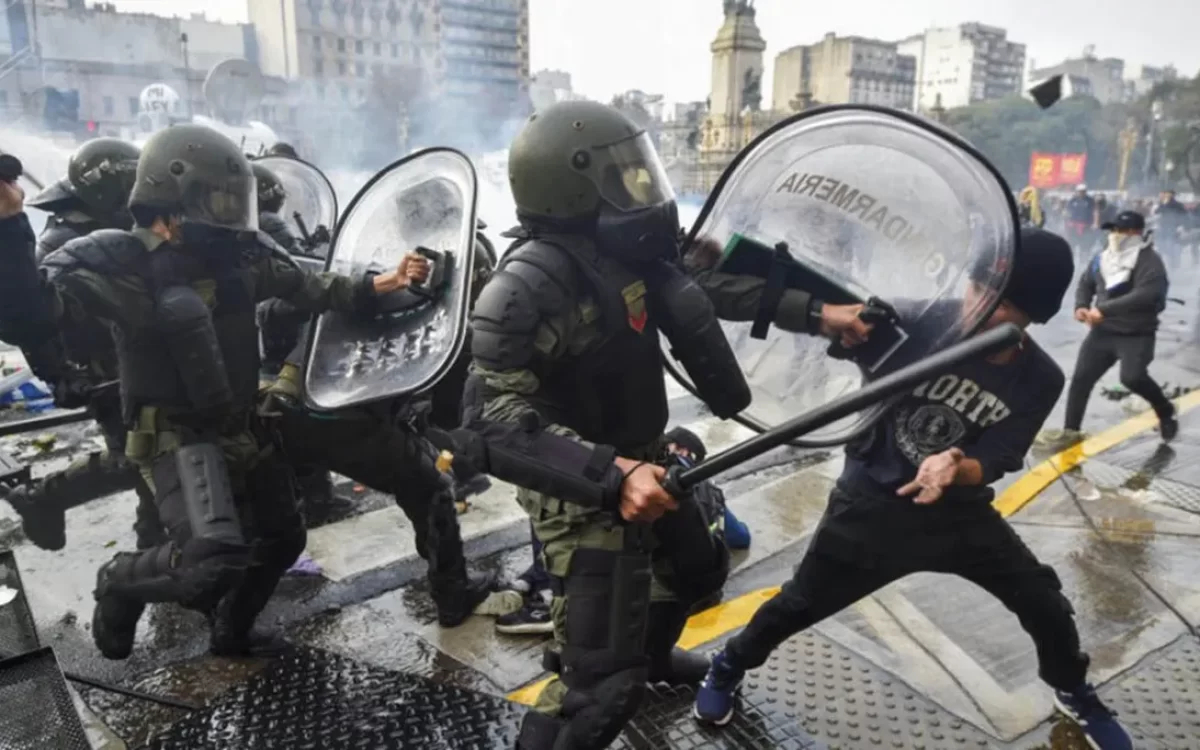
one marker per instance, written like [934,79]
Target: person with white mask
[1120,296]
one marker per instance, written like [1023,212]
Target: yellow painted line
[715,622]
[1025,489]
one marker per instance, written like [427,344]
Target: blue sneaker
[714,697]
[1083,707]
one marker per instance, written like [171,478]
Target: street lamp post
[187,73]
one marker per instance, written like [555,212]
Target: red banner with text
[1056,170]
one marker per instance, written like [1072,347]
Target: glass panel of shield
[311,201]
[852,204]
[426,200]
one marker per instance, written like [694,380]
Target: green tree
[1008,131]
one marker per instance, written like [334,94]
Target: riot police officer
[567,400]
[384,446]
[271,196]
[94,195]
[181,290]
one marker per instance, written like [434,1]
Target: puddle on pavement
[798,502]
[196,682]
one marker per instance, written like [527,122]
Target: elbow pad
[543,462]
[698,342]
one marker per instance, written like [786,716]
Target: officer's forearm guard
[207,494]
[542,461]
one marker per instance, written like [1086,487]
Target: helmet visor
[232,204]
[630,175]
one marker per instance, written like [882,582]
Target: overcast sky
[661,46]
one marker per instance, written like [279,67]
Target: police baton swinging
[679,480]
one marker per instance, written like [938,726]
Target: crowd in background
[1175,223]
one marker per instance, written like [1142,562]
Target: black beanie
[1042,273]
[685,438]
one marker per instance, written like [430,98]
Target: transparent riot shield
[853,205]
[310,208]
[425,203]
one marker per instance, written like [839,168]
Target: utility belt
[157,431]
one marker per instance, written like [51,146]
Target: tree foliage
[1008,131]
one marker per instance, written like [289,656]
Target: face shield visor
[631,176]
[638,216]
[230,204]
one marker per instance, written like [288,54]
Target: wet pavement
[930,654]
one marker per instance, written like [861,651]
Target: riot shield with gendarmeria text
[423,203]
[310,207]
[854,205]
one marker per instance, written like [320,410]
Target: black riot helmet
[282,149]
[199,175]
[271,194]
[100,177]
[582,165]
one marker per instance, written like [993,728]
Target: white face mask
[1120,242]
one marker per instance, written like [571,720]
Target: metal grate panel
[18,634]
[38,713]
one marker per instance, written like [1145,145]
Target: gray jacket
[1132,307]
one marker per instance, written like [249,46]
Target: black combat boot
[669,663]
[115,617]
[314,490]
[43,520]
[454,591]
[232,626]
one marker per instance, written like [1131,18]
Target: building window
[134,105]
[316,42]
[108,106]
[358,47]
[318,67]
[3,98]
[395,50]
[341,68]
[341,45]
[359,68]
[378,49]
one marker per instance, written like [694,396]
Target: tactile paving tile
[314,700]
[665,721]
[812,693]
[1159,702]
[1167,491]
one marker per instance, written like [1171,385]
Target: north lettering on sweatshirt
[941,413]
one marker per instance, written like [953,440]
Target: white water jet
[43,160]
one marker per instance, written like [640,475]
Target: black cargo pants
[1101,350]
[865,542]
[387,458]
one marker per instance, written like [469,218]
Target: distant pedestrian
[1120,296]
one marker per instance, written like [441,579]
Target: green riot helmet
[271,194]
[101,174]
[198,174]
[583,165]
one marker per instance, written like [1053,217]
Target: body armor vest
[611,391]
[150,375]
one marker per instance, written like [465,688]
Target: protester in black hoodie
[1120,295]
[915,495]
